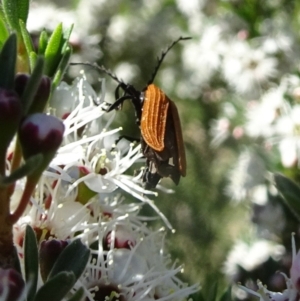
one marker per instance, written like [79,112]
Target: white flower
[262,115]
[248,173]
[220,130]
[247,69]
[250,255]
[47,16]
[203,57]
[137,270]
[287,135]
[292,283]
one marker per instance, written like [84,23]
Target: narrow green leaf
[77,296]
[31,262]
[43,41]
[53,51]
[26,38]
[26,169]
[10,8]
[32,60]
[73,258]
[2,15]
[4,34]
[226,295]
[32,85]
[63,64]
[290,192]
[23,9]
[8,58]
[66,37]
[56,288]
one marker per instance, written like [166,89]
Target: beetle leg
[117,91]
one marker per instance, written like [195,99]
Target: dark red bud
[10,115]
[10,107]
[42,94]
[40,133]
[49,252]
[12,280]
[21,81]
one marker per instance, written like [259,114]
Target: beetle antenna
[101,69]
[163,54]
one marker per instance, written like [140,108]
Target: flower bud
[11,284]
[42,94]
[49,252]
[21,81]
[40,133]
[10,115]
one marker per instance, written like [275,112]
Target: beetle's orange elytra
[154,117]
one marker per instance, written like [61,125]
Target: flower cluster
[79,196]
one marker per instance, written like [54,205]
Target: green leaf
[32,85]
[26,169]
[23,9]
[32,60]
[31,262]
[66,37]
[53,51]
[26,38]
[77,296]
[4,34]
[8,58]
[14,11]
[73,258]
[290,192]
[226,295]
[56,288]
[10,8]
[63,64]
[43,41]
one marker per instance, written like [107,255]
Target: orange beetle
[161,135]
